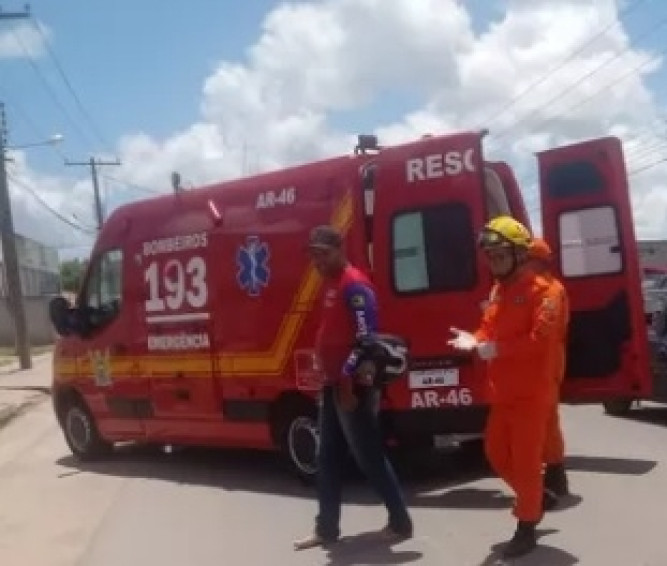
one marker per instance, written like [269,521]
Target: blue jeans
[360,430]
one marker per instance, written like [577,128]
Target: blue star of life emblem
[252,259]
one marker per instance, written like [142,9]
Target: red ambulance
[195,321]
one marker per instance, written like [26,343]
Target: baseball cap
[325,237]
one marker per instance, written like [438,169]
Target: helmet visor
[491,239]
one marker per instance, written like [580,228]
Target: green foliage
[71,274]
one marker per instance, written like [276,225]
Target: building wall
[40,329]
[39,268]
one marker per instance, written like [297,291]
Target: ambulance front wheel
[300,440]
[81,432]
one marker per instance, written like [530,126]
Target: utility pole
[93,164]
[10,256]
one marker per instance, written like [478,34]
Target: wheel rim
[303,440]
[79,429]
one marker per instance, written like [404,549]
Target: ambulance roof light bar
[365,143]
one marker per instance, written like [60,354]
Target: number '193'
[173,285]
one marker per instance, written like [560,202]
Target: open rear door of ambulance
[587,218]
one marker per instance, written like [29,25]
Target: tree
[71,274]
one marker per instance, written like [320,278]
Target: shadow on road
[365,548]
[605,465]
[262,472]
[464,498]
[543,555]
[434,481]
[656,415]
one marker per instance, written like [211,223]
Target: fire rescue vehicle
[195,321]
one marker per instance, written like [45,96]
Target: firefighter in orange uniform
[555,477]
[519,337]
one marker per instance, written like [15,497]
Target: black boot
[523,541]
[549,500]
[555,479]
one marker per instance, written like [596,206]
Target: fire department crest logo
[101,365]
[252,260]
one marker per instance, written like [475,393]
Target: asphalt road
[219,508]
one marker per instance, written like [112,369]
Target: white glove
[463,341]
[487,350]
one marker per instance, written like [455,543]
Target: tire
[300,440]
[81,433]
[617,407]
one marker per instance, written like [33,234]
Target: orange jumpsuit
[523,318]
[554,446]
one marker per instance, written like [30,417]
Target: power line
[29,121]
[495,115]
[67,82]
[623,77]
[14,104]
[133,185]
[503,133]
[649,153]
[647,167]
[41,201]
[83,135]
[93,164]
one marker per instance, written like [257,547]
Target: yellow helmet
[505,231]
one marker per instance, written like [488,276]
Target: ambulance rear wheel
[81,433]
[617,407]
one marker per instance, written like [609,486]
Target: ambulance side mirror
[62,316]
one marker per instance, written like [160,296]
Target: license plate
[429,378]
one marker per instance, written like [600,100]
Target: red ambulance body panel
[196,320]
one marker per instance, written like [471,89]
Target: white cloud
[313,61]
[31,194]
[23,40]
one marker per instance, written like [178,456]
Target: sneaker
[555,479]
[312,541]
[523,541]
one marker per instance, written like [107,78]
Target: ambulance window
[434,250]
[590,242]
[574,179]
[105,284]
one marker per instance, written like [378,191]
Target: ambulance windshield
[496,197]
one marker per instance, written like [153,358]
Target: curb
[13,368]
[10,412]
[45,389]
[7,413]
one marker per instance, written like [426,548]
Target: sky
[217,89]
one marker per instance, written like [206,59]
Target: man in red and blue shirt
[349,403]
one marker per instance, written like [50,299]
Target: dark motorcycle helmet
[384,356]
